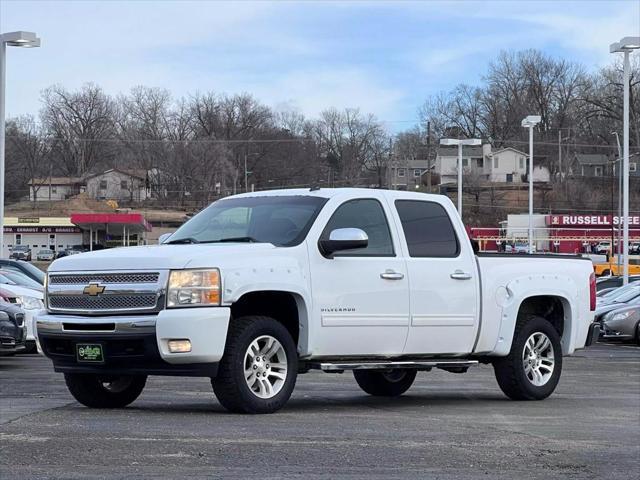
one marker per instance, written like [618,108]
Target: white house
[54,188]
[118,184]
[473,158]
[507,165]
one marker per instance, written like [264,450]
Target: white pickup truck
[260,287]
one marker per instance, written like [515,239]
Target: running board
[451,365]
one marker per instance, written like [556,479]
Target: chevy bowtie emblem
[93,289]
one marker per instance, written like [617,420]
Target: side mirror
[344,239]
[164,237]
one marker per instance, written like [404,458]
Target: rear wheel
[532,369]
[100,391]
[258,371]
[388,383]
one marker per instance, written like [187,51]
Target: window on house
[598,171]
[103,184]
[465,162]
[521,161]
[416,172]
[480,162]
[401,172]
[124,185]
[632,166]
[495,162]
[54,189]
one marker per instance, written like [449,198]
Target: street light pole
[12,39]
[619,162]
[460,143]
[530,122]
[625,46]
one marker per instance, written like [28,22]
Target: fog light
[179,346]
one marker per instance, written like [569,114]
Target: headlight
[621,316]
[193,288]
[30,303]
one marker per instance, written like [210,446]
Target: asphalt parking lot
[448,426]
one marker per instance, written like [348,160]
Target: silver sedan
[623,324]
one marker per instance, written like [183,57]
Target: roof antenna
[314,188]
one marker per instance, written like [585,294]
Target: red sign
[42,230]
[588,220]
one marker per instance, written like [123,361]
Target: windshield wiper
[235,239]
[182,240]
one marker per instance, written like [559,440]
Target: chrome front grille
[99,293]
[103,302]
[129,277]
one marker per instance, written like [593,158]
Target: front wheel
[532,369]
[258,370]
[389,383]
[100,391]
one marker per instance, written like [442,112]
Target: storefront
[105,230]
[40,233]
[557,233]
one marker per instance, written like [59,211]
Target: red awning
[133,221]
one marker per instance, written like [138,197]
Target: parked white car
[603,248]
[45,255]
[260,287]
[30,300]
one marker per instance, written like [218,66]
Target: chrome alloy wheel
[265,366]
[538,359]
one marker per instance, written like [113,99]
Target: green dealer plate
[89,352]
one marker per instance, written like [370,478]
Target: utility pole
[429,156]
[560,153]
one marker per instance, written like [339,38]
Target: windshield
[21,248]
[281,220]
[622,292]
[21,279]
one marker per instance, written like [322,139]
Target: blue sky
[383,57]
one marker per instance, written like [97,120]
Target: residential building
[118,184]
[407,174]
[473,158]
[592,164]
[634,166]
[54,188]
[506,165]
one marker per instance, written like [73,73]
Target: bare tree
[82,124]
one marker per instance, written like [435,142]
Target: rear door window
[427,229]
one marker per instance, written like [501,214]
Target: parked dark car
[26,268]
[13,332]
[21,252]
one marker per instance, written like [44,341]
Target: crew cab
[260,287]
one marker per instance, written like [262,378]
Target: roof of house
[136,173]
[56,181]
[510,148]
[466,151]
[592,158]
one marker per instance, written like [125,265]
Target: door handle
[460,275]
[391,275]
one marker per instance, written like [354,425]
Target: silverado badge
[93,289]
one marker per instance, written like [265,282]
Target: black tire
[638,333]
[99,391]
[510,370]
[605,273]
[230,385]
[391,383]
[30,347]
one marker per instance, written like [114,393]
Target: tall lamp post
[619,162]
[455,141]
[530,122]
[625,46]
[12,39]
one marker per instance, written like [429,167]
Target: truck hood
[159,257]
